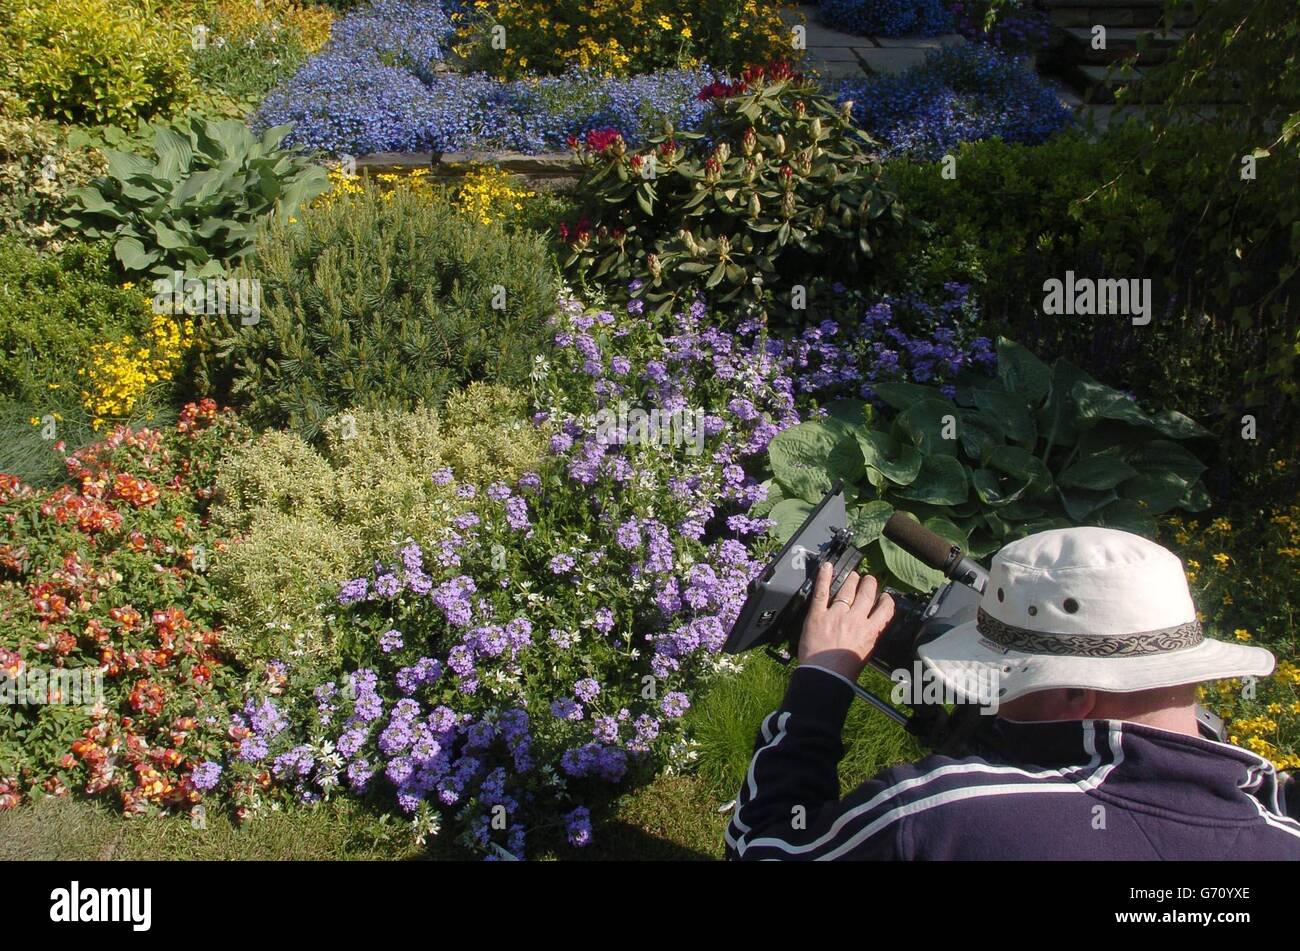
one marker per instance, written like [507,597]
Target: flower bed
[536,652]
[959,94]
[886,17]
[540,649]
[374,89]
[615,37]
[109,575]
[486,601]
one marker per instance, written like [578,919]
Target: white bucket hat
[1085,607]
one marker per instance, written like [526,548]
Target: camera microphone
[934,551]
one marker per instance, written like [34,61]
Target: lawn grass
[673,818]
[678,816]
[726,720]
[67,828]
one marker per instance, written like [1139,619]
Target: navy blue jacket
[1089,789]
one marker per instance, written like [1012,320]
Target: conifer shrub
[379,300]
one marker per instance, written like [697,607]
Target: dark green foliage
[1126,205]
[375,301]
[53,308]
[38,165]
[778,189]
[1033,449]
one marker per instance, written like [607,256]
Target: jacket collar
[1158,768]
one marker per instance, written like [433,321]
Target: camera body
[773,614]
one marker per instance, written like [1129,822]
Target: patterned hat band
[1088,645]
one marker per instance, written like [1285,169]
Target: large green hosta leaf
[196,204]
[1041,447]
[807,459]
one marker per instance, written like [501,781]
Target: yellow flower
[120,373]
[1241,634]
[487,192]
[686,32]
[1222,560]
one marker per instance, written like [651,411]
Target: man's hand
[841,634]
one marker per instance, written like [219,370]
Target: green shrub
[305,520]
[1223,332]
[195,205]
[53,308]
[380,300]
[251,66]
[38,167]
[94,61]
[777,187]
[1033,449]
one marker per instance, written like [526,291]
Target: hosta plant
[195,204]
[1034,448]
[773,198]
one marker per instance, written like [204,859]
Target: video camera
[774,612]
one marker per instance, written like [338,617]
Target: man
[1091,638]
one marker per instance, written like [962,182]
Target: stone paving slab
[893,61]
[839,70]
[817,35]
[920,42]
[837,54]
[1129,35]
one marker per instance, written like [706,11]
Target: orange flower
[138,492]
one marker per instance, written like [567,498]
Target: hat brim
[963,658]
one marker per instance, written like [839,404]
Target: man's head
[1168,708]
[1085,623]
